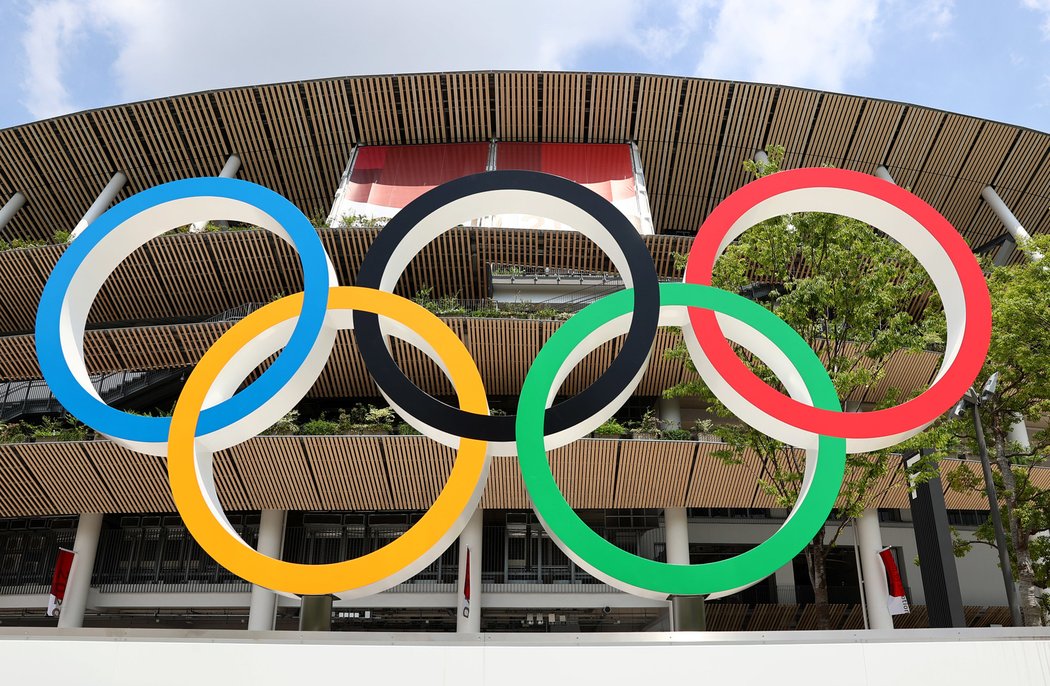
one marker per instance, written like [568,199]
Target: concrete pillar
[262,609]
[101,204]
[1019,434]
[84,546]
[468,615]
[687,612]
[10,207]
[670,411]
[676,528]
[876,592]
[229,170]
[785,580]
[761,157]
[884,174]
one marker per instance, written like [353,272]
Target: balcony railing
[157,554]
[27,558]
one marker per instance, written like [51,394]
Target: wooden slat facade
[503,350]
[388,473]
[692,135]
[185,277]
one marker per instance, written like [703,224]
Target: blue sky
[981,57]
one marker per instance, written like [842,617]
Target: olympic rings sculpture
[211,414]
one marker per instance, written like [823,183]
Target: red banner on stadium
[382,179]
[63,563]
[898,599]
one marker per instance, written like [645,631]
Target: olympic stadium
[350,154]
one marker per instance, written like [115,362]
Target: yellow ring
[451,505]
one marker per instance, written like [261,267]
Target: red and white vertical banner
[466,588]
[63,563]
[898,599]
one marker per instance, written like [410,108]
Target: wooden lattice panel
[692,135]
[389,473]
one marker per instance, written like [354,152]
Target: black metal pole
[997,522]
[933,540]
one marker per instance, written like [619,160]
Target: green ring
[630,572]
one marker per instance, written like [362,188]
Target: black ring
[613,381]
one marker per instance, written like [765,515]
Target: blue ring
[118,424]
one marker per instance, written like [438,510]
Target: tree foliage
[1020,353]
[857,297]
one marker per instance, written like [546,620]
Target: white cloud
[661,38]
[1040,6]
[50,29]
[793,42]
[935,17]
[173,46]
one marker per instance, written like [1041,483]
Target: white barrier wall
[902,658]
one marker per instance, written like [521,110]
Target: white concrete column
[101,204]
[876,592]
[676,532]
[761,157]
[10,207]
[1013,227]
[262,609]
[670,411]
[229,170]
[884,174]
[468,617]
[1019,433]
[89,527]
[785,580]
[686,613]
[1010,223]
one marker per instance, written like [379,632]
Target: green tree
[857,297]
[1020,353]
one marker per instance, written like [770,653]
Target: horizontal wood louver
[196,276]
[396,473]
[692,135]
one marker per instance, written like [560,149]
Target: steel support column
[229,171]
[101,204]
[10,208]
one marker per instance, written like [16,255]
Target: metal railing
[27,558]
[21,398]
[326,543]
[162,558]
[517,557]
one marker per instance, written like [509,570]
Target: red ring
[909,415]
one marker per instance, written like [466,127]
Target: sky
[987,58]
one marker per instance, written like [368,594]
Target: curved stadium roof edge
[692,134]
[521,71]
